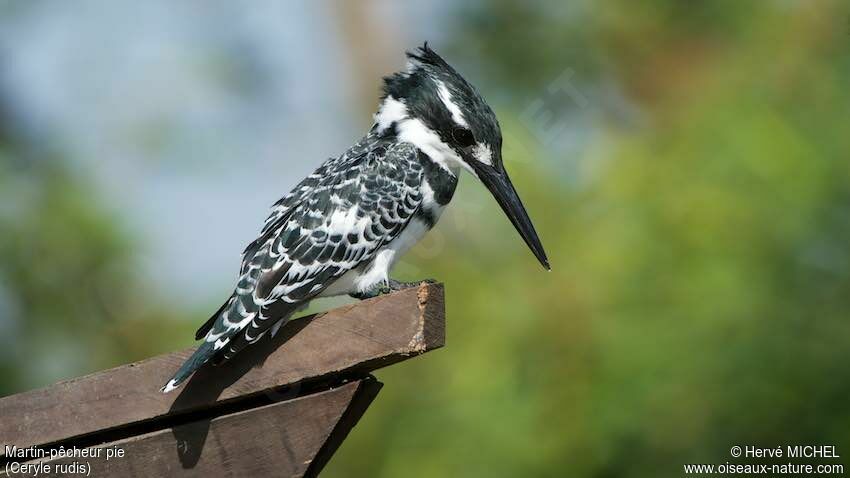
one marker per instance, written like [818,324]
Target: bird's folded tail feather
[200,357]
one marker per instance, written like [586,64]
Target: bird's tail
[200,357]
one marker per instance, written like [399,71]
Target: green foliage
[72,301]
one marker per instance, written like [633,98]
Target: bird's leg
[399,285]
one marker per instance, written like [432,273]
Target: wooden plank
[351,339]
[355,411]
[280,439]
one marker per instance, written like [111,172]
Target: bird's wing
[334,221]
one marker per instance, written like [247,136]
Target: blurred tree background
[686,164]
[68,295]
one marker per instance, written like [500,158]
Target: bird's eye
[463,137]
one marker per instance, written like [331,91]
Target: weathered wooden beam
[280,439]
[343,342]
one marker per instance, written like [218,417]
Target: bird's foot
[380,288]
[387,287]
[399,285]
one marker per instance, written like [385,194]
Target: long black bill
[500,186]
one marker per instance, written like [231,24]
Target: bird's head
[434,108]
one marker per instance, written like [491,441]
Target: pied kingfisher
[343,227]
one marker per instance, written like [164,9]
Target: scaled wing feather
[332,222]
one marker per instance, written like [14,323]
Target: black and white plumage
[343,227]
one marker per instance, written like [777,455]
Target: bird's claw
[389,286]
[374,291]
[399,285]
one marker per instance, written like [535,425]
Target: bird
[341,229]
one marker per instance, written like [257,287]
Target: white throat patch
[415,132]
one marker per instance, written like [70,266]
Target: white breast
[411,234]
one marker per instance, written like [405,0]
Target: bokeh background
[686,165]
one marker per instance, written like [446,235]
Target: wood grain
[345,341]
[281,439]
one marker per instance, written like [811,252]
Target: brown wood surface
[281,439]
[347,340]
